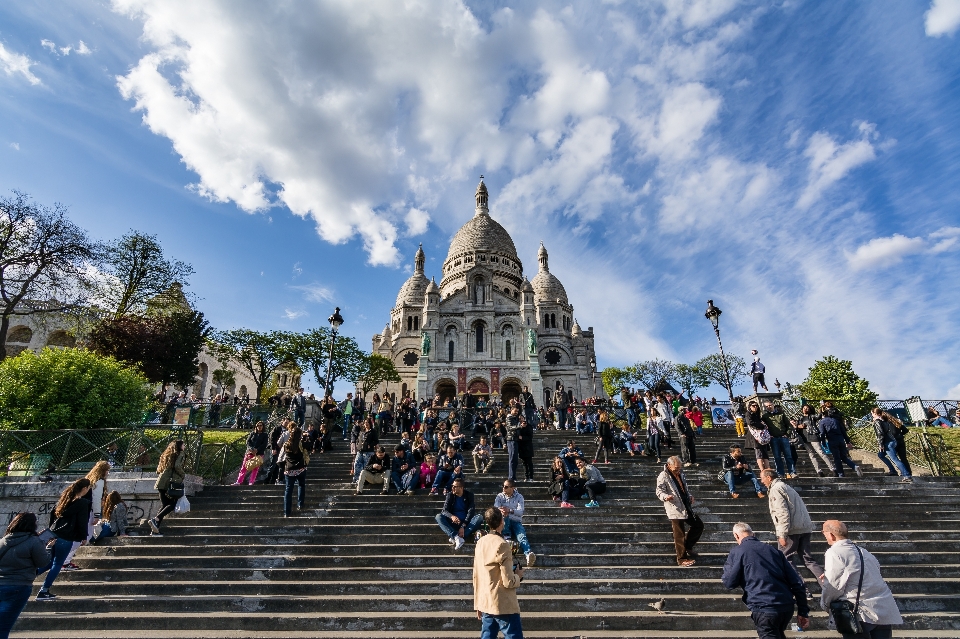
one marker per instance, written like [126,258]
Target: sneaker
[154,526]
[384,492]
[45,596]
[566,504]
[858,471]
[906,480]
[433,491]
[458,543]
[820,473]
[410,492]
[156,535]
[594,461]
[453,540]
[555,498]
[531,558]
[687,465]
[734,495]
[70,567]
[591,504]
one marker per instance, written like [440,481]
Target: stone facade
[485,328]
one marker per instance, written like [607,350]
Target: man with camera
[495,582]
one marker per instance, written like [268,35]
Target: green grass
[224,436]
[951,437]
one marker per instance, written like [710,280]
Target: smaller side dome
[432,287]
[576,331]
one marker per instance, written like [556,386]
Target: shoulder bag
[844,614]
[175,490]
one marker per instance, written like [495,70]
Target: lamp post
[593,373]
[335,323]
[713,314]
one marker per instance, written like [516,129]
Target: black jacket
[513,425]
[684,429]
[451,500]
[729,462]
[383,463]
[71,525]
[770,582]
[294,460]
[886,432]
[367,441]
[257,441]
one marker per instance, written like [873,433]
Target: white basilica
[487,329]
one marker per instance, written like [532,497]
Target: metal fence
[211,415]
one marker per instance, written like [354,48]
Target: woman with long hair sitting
[69,525]
[170,471]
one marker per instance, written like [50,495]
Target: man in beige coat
[495,582]
[677,500]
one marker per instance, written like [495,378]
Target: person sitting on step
[376,470]
[569,455]
[459,519]
[736,470]
[510,504]
[449,468]
[591,481]
[457,438]
[562,486]
[428,470]
[404,471]
[482,456]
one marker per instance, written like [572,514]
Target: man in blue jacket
[771,585]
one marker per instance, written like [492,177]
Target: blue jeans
[453,530]
[890,454]
[780,446]
[653,443]
[514,529]
[346,426]
[358,463]
[733,480]
[509,625]
[631,416]
[60,551]
[445,479]
[513,460]
[301,482]
[405,481]
[12,601]
[105,531]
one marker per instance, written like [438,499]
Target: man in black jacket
[529,404]
[459,518]
[376,470]
[513,451]
[688,448]
[771,585]
[299,406]
[736,470]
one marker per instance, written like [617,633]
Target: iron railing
[211,415]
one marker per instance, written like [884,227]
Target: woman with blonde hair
[69,525]
[98,485]
[169,482]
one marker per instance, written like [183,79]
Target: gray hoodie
[20,555]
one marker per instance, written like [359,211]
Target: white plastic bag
[183,506]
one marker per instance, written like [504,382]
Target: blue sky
[795,161]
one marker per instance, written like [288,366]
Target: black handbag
[175,490]
[844,614]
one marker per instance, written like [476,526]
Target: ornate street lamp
[593,373]
[335,323]
[713,314]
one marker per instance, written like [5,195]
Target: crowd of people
[430,457]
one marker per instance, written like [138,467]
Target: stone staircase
[377,566]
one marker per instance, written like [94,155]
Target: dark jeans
[452,529]
[404,481]
[838,448]
[445,479]
[301,483]
[167,504]
[684,540]
[527,459]
[653,444]
[562,418]
[871,631]
[733,480]
[595,488]
[782,456]
[771,625]
[12,601]
[888,455]
[798,547]
[513,460]
[688,450]
[509,625]
[60,551]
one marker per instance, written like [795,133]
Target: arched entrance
[446,389]
[510,389]
[479,388]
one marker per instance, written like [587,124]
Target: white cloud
[314,292]
[698,13]
[17,63]
[49,45]
[83,49]
[297,270]
[830,161]
[292,314]
[882,252]
[15,146]
[943,18]
[954,392]
[417,221]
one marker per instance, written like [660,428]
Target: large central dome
[482,233]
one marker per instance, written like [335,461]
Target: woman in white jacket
[877,609]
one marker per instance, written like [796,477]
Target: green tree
[312,351]
[258,353]
[166,348]
[135,270]
[69,388]
[43,261]
[689,378]
[833,378]
[652,373]
[614,379]
[712,367]
[374,370]
[224,377]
